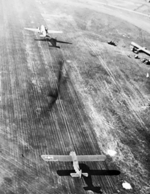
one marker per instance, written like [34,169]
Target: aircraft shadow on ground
[88,180]
[44,40]
[38,39]
[53,42]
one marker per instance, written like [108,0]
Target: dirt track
[29,70]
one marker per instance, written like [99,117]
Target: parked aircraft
[43,31]
[137,48]
[72,157]
[53,41]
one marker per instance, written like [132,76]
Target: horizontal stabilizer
[74,175]
[78,175]
[86,169]
[85,174]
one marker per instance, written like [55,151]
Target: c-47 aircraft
[137,48]
[43,31]
[72,157]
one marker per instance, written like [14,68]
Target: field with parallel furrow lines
[88,96]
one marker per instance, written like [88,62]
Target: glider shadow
[88,180]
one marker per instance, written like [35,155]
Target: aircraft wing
[68,158]
[57,158]
[136,45]
[91,158]
[54,31]
[145,51]
[32,29]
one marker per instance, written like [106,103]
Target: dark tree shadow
[88,180]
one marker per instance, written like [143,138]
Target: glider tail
[79,174]
[74,175]
[85,174]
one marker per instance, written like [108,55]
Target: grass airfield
[103,100]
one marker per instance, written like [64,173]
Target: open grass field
[103,101]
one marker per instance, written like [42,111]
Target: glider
[72,157]
[137,48]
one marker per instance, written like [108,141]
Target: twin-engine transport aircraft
[43,31]
[137,48]
[72,157]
